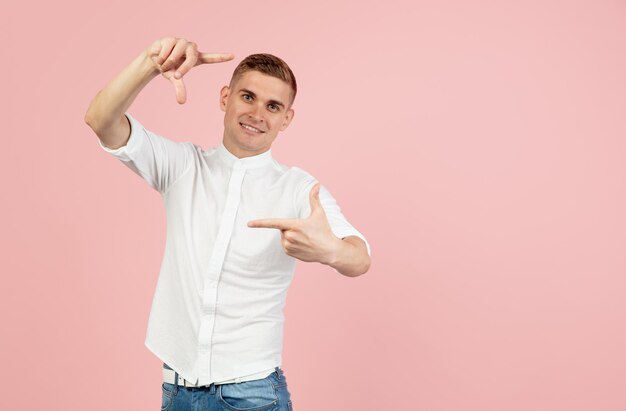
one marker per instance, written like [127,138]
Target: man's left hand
[308,239]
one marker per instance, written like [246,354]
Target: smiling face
[257,106]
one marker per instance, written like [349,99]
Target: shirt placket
[216,263]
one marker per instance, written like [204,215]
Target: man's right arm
[170,56]
[105,115]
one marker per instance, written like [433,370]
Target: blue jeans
[267,394]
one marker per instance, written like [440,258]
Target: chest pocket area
[259,249]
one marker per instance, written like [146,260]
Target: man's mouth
[250,128]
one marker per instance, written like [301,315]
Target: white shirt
[217,311]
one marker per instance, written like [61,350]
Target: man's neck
[239,153]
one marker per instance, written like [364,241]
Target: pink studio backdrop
[478,145]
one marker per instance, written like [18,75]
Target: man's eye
[273,107]
[247,97]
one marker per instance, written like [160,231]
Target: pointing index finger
[208,58]
[278,223]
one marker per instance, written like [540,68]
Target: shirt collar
[232,161]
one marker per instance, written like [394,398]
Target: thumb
[179,86]
[314,199]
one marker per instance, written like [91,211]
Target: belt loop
[175,382]
[276,371]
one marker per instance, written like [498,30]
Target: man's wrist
[148,66]
[332,256]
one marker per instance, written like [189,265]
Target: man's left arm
[350,257]
[312,239]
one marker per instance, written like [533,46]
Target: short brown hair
[267,64]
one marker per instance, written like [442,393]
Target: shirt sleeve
[338,222]
[156,159]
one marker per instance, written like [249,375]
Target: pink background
[480,148]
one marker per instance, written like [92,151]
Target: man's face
[256,108]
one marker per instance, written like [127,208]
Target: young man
[236,221]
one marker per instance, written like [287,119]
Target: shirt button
[213,284]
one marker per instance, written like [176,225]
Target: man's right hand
[168,56]
[174,57]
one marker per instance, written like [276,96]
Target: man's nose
[255,112]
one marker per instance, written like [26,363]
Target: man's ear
[224,93]
[288,117]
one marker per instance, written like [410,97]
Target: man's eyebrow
[276,102]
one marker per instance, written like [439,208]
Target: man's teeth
[247,127]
